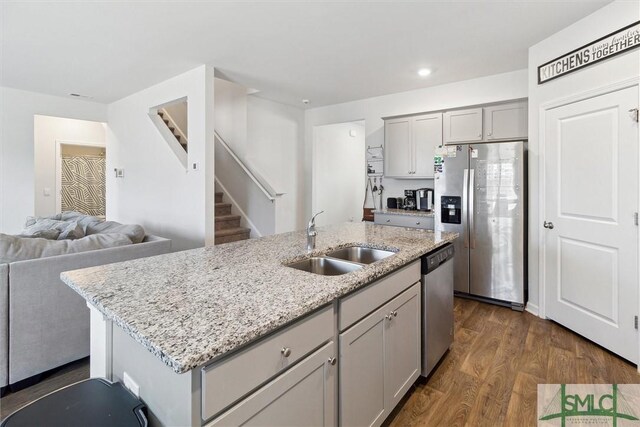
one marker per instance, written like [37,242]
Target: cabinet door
[507,121]
[303,395]
[463,126]
[397,148]
[403,361]
[426,133]
[362,390]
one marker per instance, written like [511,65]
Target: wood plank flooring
[490,375]
[488,378]
[68,374]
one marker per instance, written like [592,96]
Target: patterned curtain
[83,184]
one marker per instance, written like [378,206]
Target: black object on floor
[94,402]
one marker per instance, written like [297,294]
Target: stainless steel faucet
[312,233]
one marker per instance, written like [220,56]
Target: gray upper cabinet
[463,126]
[426,131]
[506,121]
[397,152]
[410,144]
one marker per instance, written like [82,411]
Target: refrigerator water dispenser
[451,209]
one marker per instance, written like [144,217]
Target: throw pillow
[51,234]
[72,231]
[135,232]
[40,224]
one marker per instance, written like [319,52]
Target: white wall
[622,67]
[156,191]
[268,137]
[17,166]
[231,115]
[275,138]
[48,130]
[482,90]
[339,172]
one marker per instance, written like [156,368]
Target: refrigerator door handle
[465,192]
[472,210]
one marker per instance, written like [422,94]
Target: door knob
[332,361]
[548,225]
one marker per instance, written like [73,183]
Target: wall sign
[605,47]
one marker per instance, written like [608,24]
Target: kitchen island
[194,331]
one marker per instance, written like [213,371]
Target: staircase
[173,130]
[228,227]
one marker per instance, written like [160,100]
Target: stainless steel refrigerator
[480,192]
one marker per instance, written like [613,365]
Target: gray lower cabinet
[380,360]
[304,395]
[412,221]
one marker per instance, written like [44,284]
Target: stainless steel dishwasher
[437,306]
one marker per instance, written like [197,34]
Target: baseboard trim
[532,308]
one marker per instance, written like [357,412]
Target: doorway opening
[69,158]
[339,172]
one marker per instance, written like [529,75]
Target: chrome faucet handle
[312,221]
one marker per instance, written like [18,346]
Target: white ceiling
[326,52]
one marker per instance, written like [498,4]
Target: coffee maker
[410,200]
[424,199]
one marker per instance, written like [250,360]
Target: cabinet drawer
[231,378]
[357,305]
[304,395]
[423,222]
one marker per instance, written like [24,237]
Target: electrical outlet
[195,166]
[131,384]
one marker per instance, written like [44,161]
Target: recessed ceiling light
[305,101]
[424,72]
[77,95]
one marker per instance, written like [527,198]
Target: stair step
[236,235]
[166,122]
[223,209]
[219,196]
[233,231]
[161,114]
[225,222]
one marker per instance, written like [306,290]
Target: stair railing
[258,179]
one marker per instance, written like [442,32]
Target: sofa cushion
[13,248]
[134,231]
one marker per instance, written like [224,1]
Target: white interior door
[591,196]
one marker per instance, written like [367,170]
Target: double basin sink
[341,261]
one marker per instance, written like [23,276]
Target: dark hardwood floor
[69,374]
[488,378]
[490,375]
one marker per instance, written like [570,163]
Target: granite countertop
[192,306]
[388,211]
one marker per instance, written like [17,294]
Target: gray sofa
[43,323]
